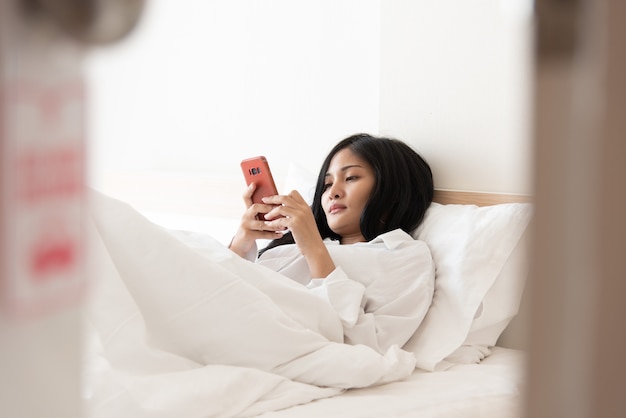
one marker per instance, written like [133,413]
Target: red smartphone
[256,170]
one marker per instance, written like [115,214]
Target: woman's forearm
[319,261]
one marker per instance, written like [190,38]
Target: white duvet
[179,332]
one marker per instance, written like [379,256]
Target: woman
[369,190]
[396,177]
[168,311]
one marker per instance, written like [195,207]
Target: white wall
[456,83]
[201,85]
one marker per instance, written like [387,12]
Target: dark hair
[403,188]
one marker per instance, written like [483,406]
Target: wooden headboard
[447,197]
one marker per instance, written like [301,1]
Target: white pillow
[477,291]
[502,302]
[481,272]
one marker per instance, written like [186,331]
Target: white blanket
[188,333]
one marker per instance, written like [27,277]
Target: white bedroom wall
[456,83]
[201,85]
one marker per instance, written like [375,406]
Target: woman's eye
[327,186]
[350,178]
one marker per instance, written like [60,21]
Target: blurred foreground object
[43,247]
[89,21]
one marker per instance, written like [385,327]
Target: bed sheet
[492,388]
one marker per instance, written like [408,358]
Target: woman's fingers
[251,227]
[257,209]
[293,198]
[247,194]
[265,226]
[290,205]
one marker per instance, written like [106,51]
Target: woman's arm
[293,212]
[381,294]
[250,229]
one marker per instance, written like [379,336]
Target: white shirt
[380,289]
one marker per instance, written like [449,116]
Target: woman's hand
[250,229]
[294,213]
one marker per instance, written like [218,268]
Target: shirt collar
[391,239]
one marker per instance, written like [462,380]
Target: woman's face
[347,188]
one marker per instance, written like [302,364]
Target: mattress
[492,388]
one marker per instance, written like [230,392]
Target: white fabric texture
[481,268]
[502,301]
[492,389]
[471,246]
[170,317]
[381,289]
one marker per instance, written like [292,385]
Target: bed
[469,353]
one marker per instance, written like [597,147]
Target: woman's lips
[336,208]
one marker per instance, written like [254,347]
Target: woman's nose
[335,191]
